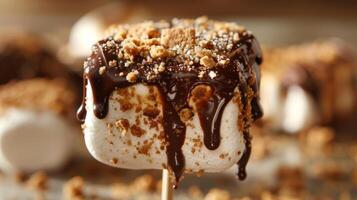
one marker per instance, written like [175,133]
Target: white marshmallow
[109,144]
[298,110]
[91,27]
[271,101]
[31,140]
[291,112]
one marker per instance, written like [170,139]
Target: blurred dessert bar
[308,84]
[24,55]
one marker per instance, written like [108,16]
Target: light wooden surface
[166,189]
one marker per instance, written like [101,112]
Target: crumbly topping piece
[217,194]
[73,189]
[123,125]
[180,45]
[319,140]
[38,181]
[207,62]
[145,183]
[290,177]
[178,36]
[141,185]
[195,192]
[37,94]
[132,76]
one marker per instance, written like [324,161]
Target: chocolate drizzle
[242,163]
[176,86]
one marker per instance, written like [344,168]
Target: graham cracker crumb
[121,191]
[112,63]
[319,139]
[145,148]
[38,181]
[114,161]
[178,36]
[121,34]
[39,95]
[145,183]
[20,177]
[159,52]
[131,48]
[188,44]
[208,62]
[186,114]
[102,70]
[73,189]
[218,194]
[123,125]
[132,76]
[137,131]
[195,192]
[151,112]
[291,177]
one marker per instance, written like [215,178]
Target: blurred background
[274,22]
[312,156]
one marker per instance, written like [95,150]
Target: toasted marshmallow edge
[108,145]
[33,140]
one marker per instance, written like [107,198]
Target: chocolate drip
[175,131]
[242,163]
[175,87]
[82,112]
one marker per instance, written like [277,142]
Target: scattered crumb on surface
[290,178]
[195,192]
[145,183]
[73,189]
[328,171]
[20,177]
[217,194]
[38,181]
[319,140]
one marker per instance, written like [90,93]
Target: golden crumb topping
[37,94]
[178,45]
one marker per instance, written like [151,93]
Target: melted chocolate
[242,163]
[176,86]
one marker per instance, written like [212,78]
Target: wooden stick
[166,189]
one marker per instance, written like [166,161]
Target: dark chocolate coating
[175,86]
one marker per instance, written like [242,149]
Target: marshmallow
[298,101]
[307,85]
[35,132]
[31,141]
[91,27]
[114,141]
[179,96]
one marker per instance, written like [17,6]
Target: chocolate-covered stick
[166,189]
